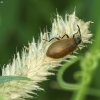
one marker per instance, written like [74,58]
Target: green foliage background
[20,20]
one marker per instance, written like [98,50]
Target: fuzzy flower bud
[35,64]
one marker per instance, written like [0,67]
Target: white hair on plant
[35,64]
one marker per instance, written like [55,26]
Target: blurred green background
[20,20]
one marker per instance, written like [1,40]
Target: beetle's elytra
[63,47]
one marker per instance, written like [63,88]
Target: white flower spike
[35,64]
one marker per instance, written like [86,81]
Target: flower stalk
[34,63]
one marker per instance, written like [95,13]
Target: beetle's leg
[72,53]
[64,36]
[79,48]
[85,46]
[52,39]
[74,35]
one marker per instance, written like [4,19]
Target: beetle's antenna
[79,30]
[51,39]
[80,35]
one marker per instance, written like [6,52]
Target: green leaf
[4,79]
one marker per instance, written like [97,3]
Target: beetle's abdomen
[61,48]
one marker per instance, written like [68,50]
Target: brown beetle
[63,47]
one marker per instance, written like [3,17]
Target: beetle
[63,47]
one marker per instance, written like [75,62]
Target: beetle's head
[77,36]
[78,40]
